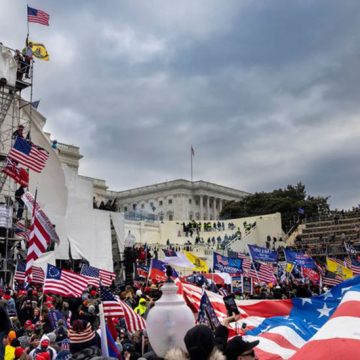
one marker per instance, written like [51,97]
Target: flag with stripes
[355,266]
[81,337]
[262,272]
[64,282]
[28,154]
[20,271]
[134,322]
[37,16]
[331,279]
[246,265]
[37,273]
[22,231]
[285,326]
[112,306]
[95,275]
[142,270]
[38,243]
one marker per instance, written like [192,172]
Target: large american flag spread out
[38,16]
[64,282]
[28,154]
[293,328]
[95,275]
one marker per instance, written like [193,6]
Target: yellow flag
[39,51]
[338,269]
[200,265]
[289,267]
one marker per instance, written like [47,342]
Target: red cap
[93,292]
[28,323]
[45,342]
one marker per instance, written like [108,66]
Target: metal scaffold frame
[11,116]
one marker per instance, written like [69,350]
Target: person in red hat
[44,349]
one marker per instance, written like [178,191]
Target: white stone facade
[180,200]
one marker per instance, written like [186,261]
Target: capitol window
[160,203]
[190,201]
[170,201]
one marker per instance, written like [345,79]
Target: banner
[312,275]
[247,285]
[158,270]
[259,253]
[299,258]
[236,284]
[29,200]
[226,264]
[17,173]
[338,269]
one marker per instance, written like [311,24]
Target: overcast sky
[267,92]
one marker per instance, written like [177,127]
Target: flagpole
[27,18]
[104,347]
[28,277]
[191,161]
[252,261]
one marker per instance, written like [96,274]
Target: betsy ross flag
[28,154]
[37,16]
[112,306]
[64,282]
[95,275]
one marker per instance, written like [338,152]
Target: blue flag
[227,264]
[299,258]
[259,253]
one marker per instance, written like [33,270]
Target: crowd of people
[41,326]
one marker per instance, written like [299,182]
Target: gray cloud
[267,91]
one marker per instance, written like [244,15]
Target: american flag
[38,16]
[81,337]
[39,241]
[28,154]
[246,265]
[95,275]
[331,279]
[134,322]
[37,273]
[142,271]
[112,306]
[22,231]
[64,282]
[355,266]
[263,272]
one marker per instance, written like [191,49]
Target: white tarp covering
[44,259]
[8,66]
[66,198]
[119,226]
[88,230]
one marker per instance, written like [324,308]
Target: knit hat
[199,342]
[12,335]
[237,346]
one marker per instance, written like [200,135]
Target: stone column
[201,201]
[216,216]
[207,208]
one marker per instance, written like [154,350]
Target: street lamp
[169,320]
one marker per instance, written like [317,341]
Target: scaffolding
[11,104]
